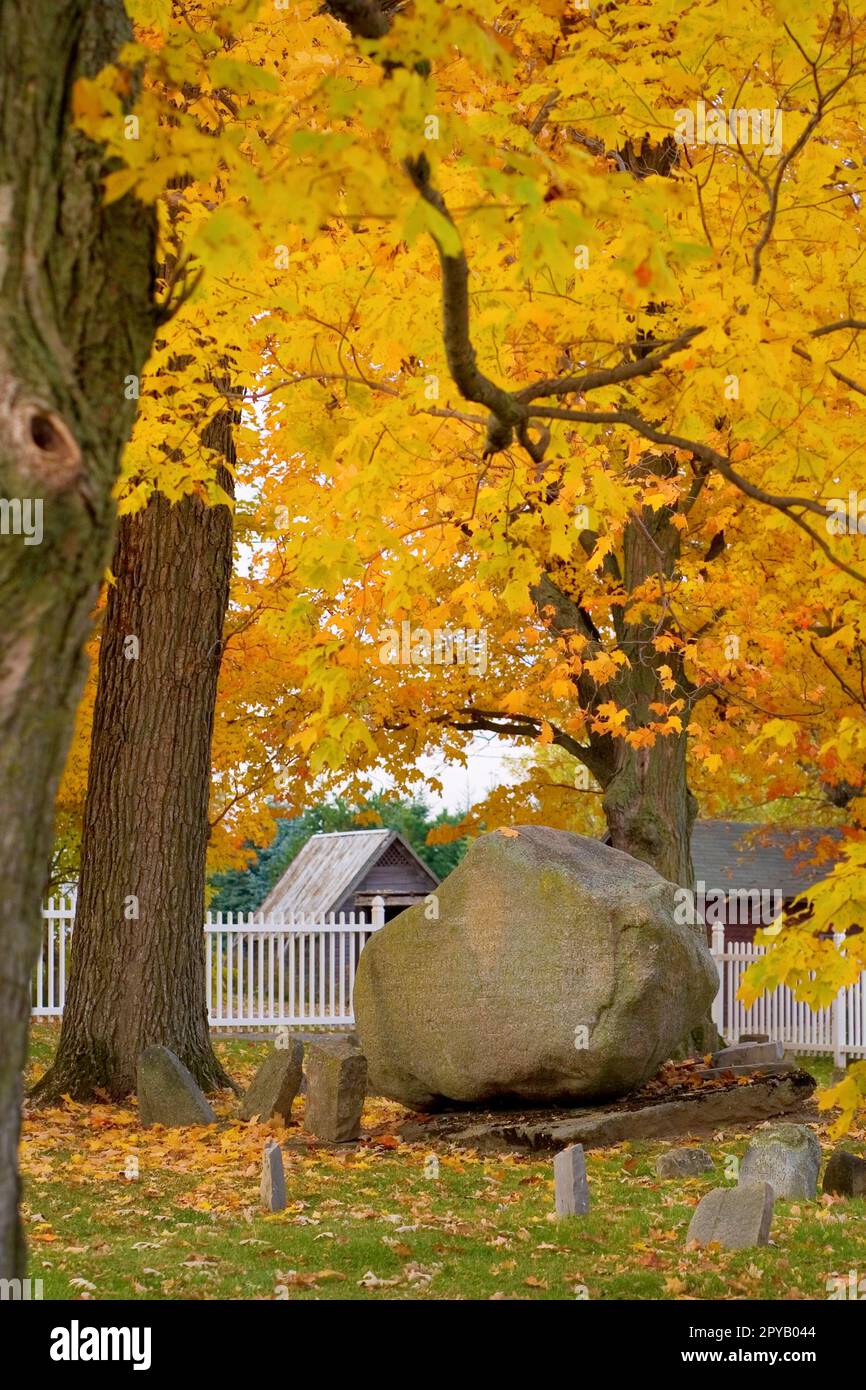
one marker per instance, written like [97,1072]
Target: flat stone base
[547,1131]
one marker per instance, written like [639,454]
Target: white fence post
[718,951]
[377,919]
[840,1014]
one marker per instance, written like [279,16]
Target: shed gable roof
[330,867]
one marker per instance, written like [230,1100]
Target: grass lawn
[367,1223]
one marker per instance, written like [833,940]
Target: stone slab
[734,1217]
[845,1174]
[336,1087]
[272,1189]
[167,1092]
[571,1188]
[683,1163]
[749,1054]
[275,1084]
[786,1156]
[702,1112]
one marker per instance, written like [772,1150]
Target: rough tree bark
[138,965]
[76,318]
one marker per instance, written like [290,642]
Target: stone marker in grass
[845,1174]
[275,1084]
[734,1217]
[273,1185]
[786,1156]
[167,1093]
[683,1163]
[569,1179]
[336,1086]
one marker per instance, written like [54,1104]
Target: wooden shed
[343,871]
[747,874]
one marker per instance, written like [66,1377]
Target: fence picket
[250,986]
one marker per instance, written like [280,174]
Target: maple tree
[690,306]
[660,575]
[651,560]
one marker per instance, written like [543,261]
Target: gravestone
[570,1185]
[750,1054]
[683,1163]
[275,1084]
[167,1093]
[272,1190]
[336,1086]
[788,1157]
[845,1174]
[734,1217]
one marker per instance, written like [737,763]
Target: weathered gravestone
[750,1054]
[275,1084]
[273,1185]
[683,1163]
[336,1087]
[167,1093]
[788,1157]
[733,1217]
[556,971]
[571,1188]
[845,1174]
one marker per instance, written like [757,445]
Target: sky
[491,761]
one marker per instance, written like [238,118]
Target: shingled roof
[729,855]
[325,875]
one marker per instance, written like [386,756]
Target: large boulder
[554,972]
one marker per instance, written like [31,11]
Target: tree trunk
[649,808]
[137,974]
[72,272]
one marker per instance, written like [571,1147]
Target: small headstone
[167,1093]
[788,1157]
[569,1179]
[275,1084]
[754,1037]
[683,1163]
[749,1054]
[845,1174]
[735,1217]
[336,1087]
[273,1185]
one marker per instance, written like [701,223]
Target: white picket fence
[839,1029]
[261,973]
[265,973]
